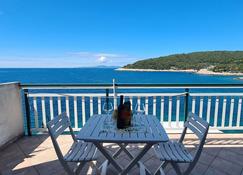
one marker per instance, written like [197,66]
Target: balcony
[220,105]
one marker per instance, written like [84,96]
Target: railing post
[107,98]
[114,94]
[186,103]
[27,110]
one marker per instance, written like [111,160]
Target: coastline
[201,71]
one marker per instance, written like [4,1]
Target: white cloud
[70,59]
[102,59]
[107,55]
[97,58]
[94,54]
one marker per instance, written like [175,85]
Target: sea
[106,75]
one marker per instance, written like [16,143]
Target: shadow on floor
[222,154]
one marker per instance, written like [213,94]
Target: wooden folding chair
[80,152]
[174,152]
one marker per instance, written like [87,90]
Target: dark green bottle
[120,122]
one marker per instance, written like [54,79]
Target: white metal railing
[154,103]
[230,105]
[168,107]
[222,110]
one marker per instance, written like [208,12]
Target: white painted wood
[138,103]
[224,111]
[193,104]
[91,106]
[154,105]
[43,108]
[177,110]
[209,109]
[81,152]
[162,110]
[146,105]
[114,93]
[136,94]
[128,87]
[170,111]
[83,111]
[51,108]
[131,101]
[35,112]
[216,94]
[239,112]
[201,107]
[59,105]
[67,106]
[175,152]
[75,108]
[99,105]
[93,131]
[173,124]
[232,101]
[118,94]
[216,111]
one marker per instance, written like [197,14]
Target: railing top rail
[67,86]
[127,86]
[215,94]
[103,94]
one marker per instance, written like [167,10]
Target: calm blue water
[105,75]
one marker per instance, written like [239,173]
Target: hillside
[215,61]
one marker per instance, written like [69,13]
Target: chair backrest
[56,127]
[200,128]
[197,125]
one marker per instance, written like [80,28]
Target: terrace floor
[222,155]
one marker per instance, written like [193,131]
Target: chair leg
[143,170]
[190,168]
[176,168]
[160,170]
[93,165]
[79,168]
[103,168]
[67,168]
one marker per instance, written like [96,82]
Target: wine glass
[139,109]
[108,107]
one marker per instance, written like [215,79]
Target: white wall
[11,115]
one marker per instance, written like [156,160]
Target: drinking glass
[108,107]
[139,109]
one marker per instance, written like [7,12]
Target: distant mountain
[215,61]
[101,66]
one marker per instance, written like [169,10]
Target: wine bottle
[120,122]
[127,114]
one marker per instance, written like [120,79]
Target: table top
[147,129]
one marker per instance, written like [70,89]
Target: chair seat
[172,151]
[81,151]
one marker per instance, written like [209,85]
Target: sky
[86,33]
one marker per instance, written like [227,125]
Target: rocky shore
[201,71]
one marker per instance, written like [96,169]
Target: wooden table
[147,130]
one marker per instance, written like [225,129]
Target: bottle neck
[121,100]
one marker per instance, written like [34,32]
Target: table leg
[136,159]
[108,156]
[118,152]
[123,148]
